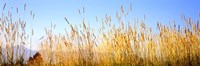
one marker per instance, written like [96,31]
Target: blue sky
[47,11]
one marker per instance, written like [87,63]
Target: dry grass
[13,39]
[124,45]
[113,45]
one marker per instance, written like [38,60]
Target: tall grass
[126,44]
[12,34]
[13,38]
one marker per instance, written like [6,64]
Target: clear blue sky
[47,11]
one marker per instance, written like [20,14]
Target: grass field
[123,45]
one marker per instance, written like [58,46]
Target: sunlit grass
[126,44]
